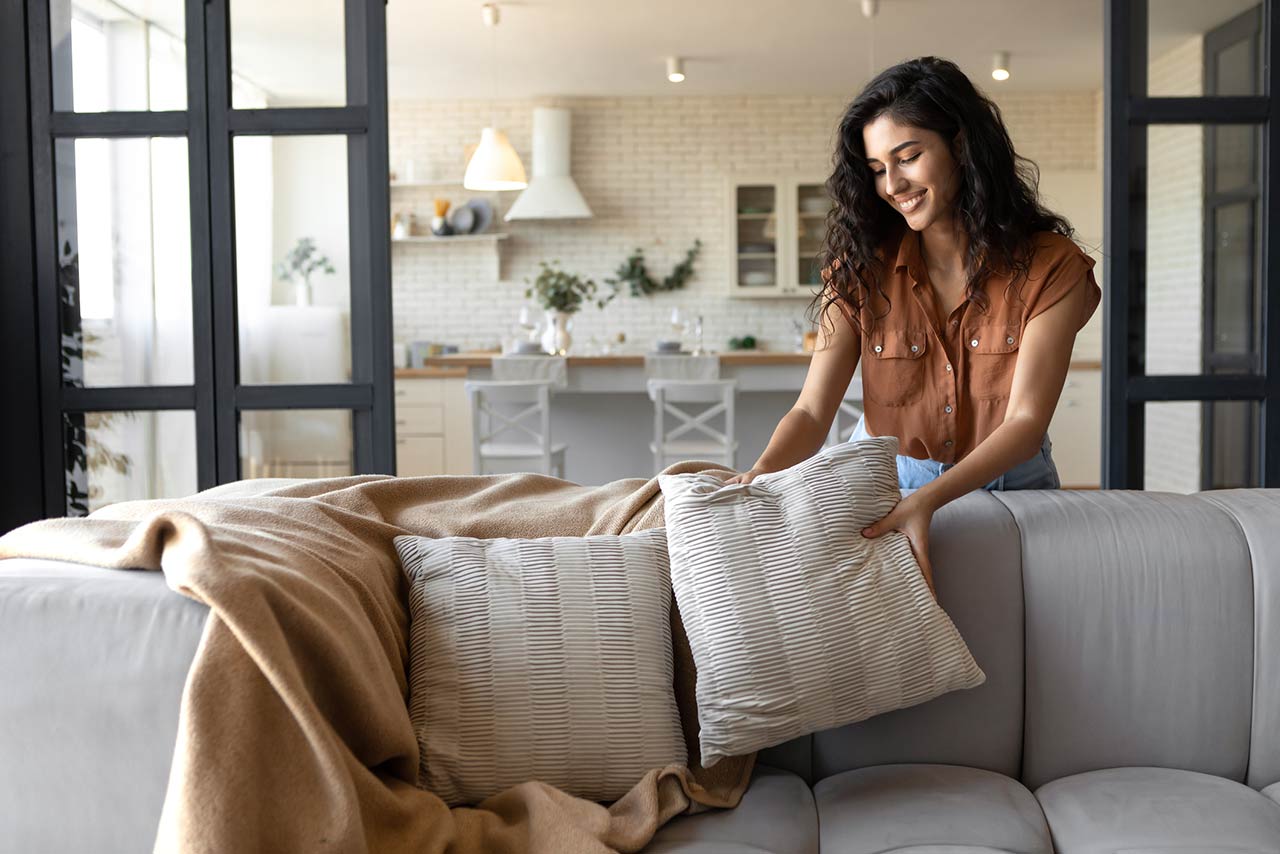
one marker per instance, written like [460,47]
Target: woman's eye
[912,158]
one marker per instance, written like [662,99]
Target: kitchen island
[603,414]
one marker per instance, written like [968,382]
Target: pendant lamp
[494,165]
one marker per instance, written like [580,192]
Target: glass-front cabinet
[776,228]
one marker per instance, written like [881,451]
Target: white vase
[556,339]
[302,292]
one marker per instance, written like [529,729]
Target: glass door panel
[756,235]
[292,55]
[118,55]
[127,456]
[293,261]
[124,261]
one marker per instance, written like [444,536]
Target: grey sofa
[1131,643]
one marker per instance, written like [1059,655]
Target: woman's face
[913,169]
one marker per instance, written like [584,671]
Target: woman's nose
[894,181]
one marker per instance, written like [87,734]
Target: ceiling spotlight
[1000,65]
[675,69]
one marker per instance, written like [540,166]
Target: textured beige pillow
[546,659]
[797,622]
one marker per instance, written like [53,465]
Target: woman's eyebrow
[896,149]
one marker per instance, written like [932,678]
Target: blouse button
[973,343]
[878,348]
[1008,340]
[948,410]
[948,443]
[915,349]
[948,368]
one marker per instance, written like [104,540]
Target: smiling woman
[959,292]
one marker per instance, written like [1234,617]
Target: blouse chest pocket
[993,354]
[893,370]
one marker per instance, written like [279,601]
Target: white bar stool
[488,424]
[707,443]
[847,415]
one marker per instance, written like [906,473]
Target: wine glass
[527,322]
[679,324]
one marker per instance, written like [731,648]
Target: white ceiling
[441,48]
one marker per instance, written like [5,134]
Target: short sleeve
[1058,266]
[836,299]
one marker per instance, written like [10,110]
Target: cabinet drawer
[419,420]
[417,456]
[419,391]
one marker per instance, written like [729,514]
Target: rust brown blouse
[942,389]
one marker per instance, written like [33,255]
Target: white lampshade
[495,164]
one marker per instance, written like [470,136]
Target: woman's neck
[945,246]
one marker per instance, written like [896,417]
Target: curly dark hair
[997,201]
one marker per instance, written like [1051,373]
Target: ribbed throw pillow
[797,622]
[545,659]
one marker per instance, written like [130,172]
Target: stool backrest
[551,368]
[532,423]
[663,366]
[666,393]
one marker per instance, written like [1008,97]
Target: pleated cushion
[797,622]
[542,659]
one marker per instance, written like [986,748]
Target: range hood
[551,193]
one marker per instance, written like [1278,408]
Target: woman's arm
[1041,370]
[800,433]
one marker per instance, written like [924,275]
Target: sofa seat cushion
[928,809]
[1158,810]
[776,816]
[1273,792]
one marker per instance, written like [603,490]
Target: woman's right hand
[746,476]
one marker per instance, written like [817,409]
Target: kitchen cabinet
[776,228]
[433,426]
[1076,430]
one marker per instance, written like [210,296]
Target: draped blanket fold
[294,733]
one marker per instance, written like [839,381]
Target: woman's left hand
[912,518]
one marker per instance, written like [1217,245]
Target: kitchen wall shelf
[459,238]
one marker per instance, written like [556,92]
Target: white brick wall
[653,170]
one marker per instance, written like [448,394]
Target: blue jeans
[1039,472]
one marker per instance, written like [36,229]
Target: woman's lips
[909,203]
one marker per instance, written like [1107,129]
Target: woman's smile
[910,201]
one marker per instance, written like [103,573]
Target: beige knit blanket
[294,733]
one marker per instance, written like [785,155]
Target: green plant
[561,291]
[634,274]
[303,260]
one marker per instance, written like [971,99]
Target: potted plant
[298,265]
[560,294]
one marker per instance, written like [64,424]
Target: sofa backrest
[1139,633]
[1136,628]
[974,548]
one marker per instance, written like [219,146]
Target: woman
[959,292]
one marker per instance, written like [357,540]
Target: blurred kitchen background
[695,133]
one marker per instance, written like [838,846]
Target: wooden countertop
[455,365]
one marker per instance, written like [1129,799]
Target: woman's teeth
[911,203]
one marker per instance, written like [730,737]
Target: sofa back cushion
[1139,633]
[1258,513]
[974,547]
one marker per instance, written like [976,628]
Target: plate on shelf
[483,214]
[463,219]
[757,277]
